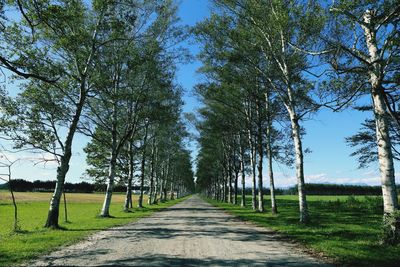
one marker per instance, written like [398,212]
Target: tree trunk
[166,179]
[243,173]
[156,185]
[260,161]
[253,174]
[304,216]
[10,186]
[62,170]
[105,211]
[260,179]
[215,190]
[235,199]
[142,169]
[162,178]
[65,208]
[230,189]
[128,199]
[163,189]
[171,196]
[385,155]
[274,208]
[151,192]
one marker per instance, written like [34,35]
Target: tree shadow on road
[165,260]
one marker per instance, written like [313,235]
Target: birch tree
[365,36]
[45,115]
[276,29]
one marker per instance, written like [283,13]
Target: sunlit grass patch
[346,229]
[34,240]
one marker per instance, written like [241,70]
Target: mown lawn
[346,229]
[34,240]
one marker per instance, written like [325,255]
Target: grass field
[34,240]
[346,229]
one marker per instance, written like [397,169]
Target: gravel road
[191,233]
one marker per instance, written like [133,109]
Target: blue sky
[328,163]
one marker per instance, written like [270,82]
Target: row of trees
[104,69]
[270,65]
[21,185]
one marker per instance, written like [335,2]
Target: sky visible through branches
[329,162]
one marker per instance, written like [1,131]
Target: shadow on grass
[346,231]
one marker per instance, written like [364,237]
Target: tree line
[21,185]
[270,65]
[102,69]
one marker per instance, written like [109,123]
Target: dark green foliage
[330,190]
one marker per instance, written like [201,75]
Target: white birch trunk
[230,189]
[253,173]
[62,170]
[128,199]
[304,216]
[274,208]
[243,174]
[385,156]
[142,169]
[235,198]
[260,163]
[105,211]
[152,166]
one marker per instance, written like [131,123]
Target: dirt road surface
[191,233]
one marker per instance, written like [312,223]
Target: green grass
[345,229]
[34,240]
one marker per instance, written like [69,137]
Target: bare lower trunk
[253,174]
[105,211]
[385,155]
[151,189]
[171,196]
[235,199]
[62,170]
[65,208]
[166,180]
[260,181]
[162,178]
[156,184]
[142,169]
[304,216]
[260,165]
[215,190]
[128,199]
[243,174]
[164,199]
[391,217]
[52,217]
[10,186]
[274,208]
[230,188]
[223,188]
